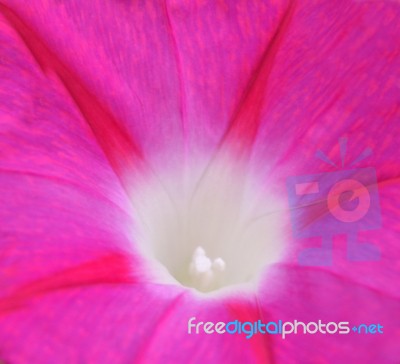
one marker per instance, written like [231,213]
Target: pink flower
[136,139]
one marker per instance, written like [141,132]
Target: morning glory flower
[146,150]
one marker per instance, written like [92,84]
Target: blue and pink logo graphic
[344,201]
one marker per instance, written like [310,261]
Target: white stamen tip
[199,251]
[202,264]
[219,265]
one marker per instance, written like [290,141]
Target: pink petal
[169,81]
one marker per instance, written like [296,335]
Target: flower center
[211,226]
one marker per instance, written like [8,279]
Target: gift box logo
[345,201]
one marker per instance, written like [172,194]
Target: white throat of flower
[211,227]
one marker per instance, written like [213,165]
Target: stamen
[204,273]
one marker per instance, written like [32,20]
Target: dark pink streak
[121,151]
[245,122]
[110,269]
[260,343]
